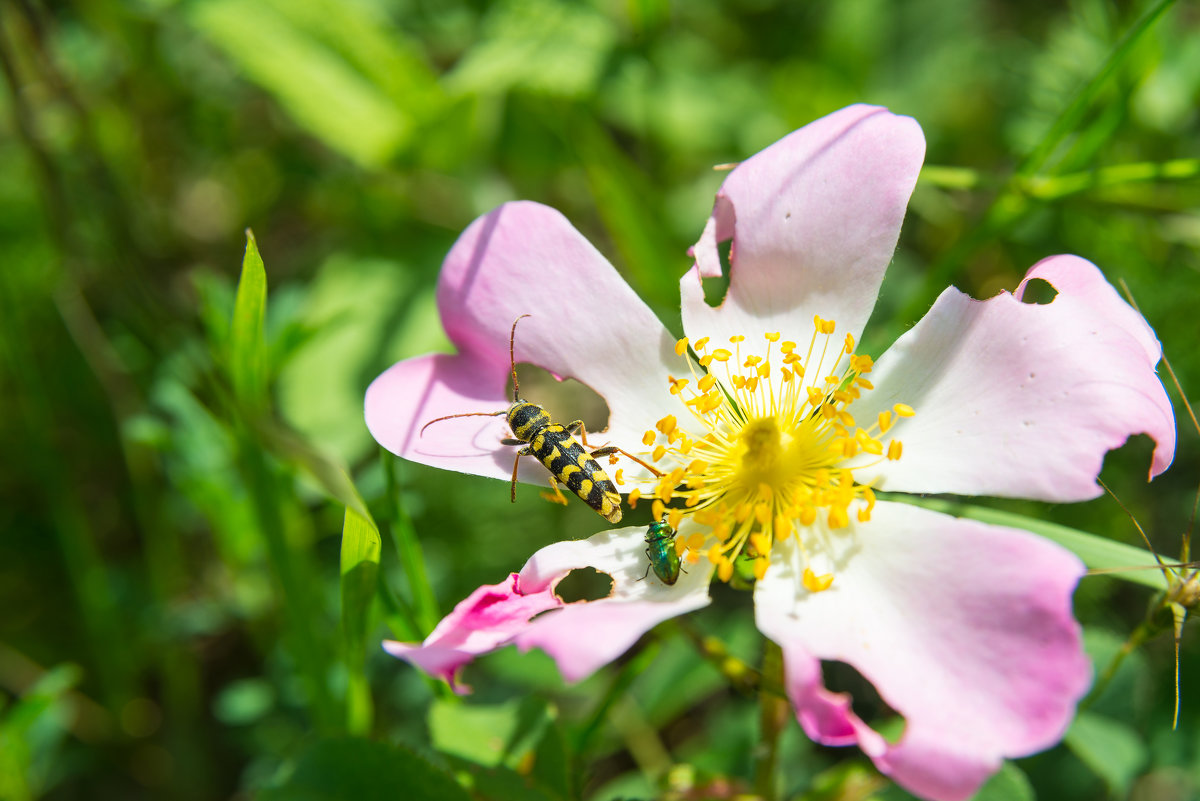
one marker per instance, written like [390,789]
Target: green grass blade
[1098,553]
[360,572]
[316,86]
[299,593]
[1060,186]
[1073,114]
[409,549]
[247,341]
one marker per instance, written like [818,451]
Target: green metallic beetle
[664,559]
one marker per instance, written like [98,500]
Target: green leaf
[851,778]
[513,751]
[247,341]
[379,50]
[1112,749]
[474,732]
[1072,116]
[1098,553]
[360,552]
[320,388]
[627,202]
[506,784]
[360,574]
[1122,693]
[544,46]
[244,701]
[32,731]
[552,761]
[316,86]
[490,735]
[1009,784]
[329,475]
[362,770]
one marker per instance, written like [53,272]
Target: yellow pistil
[761,455]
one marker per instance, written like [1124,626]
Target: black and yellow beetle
[555,447]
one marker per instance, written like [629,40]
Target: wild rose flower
[770,436]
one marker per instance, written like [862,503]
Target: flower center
[769,446]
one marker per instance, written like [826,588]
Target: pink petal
[585,322]
[814,220]
[965,629]
[486,620]
[1021,400]
[581,637]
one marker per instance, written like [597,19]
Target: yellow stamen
[814,583]
[724,570]
[760,456]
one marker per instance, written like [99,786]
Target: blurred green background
[174,622]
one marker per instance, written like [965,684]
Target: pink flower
[769,441]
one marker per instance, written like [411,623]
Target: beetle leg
[557,496]
[516,462]
[578,427]
[643,578]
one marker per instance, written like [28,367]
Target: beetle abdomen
[568,462]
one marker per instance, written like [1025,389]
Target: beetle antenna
[512,335]
[464,414]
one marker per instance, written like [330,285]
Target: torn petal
[487,619]
[581,637]
[1018,399]
[584,322]
[814,220]
[965,629]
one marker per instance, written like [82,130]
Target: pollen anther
[762,454]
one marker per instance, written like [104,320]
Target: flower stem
[743,677]
[773,716]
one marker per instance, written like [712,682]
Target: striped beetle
[556,447]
